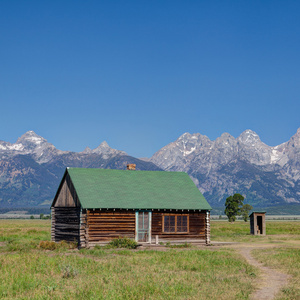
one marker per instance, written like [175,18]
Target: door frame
[137,224]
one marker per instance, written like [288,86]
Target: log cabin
[94,206]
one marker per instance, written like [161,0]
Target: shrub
[49,245]
[184,245]
[123,243]
[73,245]
[68,271]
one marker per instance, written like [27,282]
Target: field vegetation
[29,271]
[286,259]
[240,231]
[284,256]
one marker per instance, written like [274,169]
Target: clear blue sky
[138,74]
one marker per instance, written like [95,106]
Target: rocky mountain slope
[265,175]
[31,168]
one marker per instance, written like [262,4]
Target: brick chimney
[131,166]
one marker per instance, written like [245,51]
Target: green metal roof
[107,188]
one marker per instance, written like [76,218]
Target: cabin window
[175,223]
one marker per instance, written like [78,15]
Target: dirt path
[271,281]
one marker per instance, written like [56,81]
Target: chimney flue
[131,166]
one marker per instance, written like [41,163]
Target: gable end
[66,195]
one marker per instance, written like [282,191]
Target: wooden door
[143,226]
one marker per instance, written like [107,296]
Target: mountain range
[31,168]
[265,175]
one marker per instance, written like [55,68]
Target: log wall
[65,224]
[92,227]
[83,230]
[197,226]
[52,224]
[207,228]
[104,226]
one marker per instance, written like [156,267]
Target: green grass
[123,243]
[285,256]
[139,275]
[286,259]
[29,272]
[23,235]
[239,231]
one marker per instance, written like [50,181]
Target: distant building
[94,206]
[258,223]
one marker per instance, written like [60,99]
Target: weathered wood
[67,196]
[91,227]
[106,225]
[66,225]
[52,224]
[207,228]
[83,229]
[258,223]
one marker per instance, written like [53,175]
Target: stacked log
[103,226]
[65,226]
[207,228]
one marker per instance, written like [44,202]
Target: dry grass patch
[49,245]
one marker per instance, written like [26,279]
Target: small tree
[233,206]
[245,211]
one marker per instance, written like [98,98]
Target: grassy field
[286,259]
[284,256]
[28,272]
[240,231]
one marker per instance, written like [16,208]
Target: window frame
[176,215]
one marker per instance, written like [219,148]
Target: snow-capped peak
[87,150]
[30,143]
[186,135]
[249,137]
[106,150]
[103,147]
[30,137]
